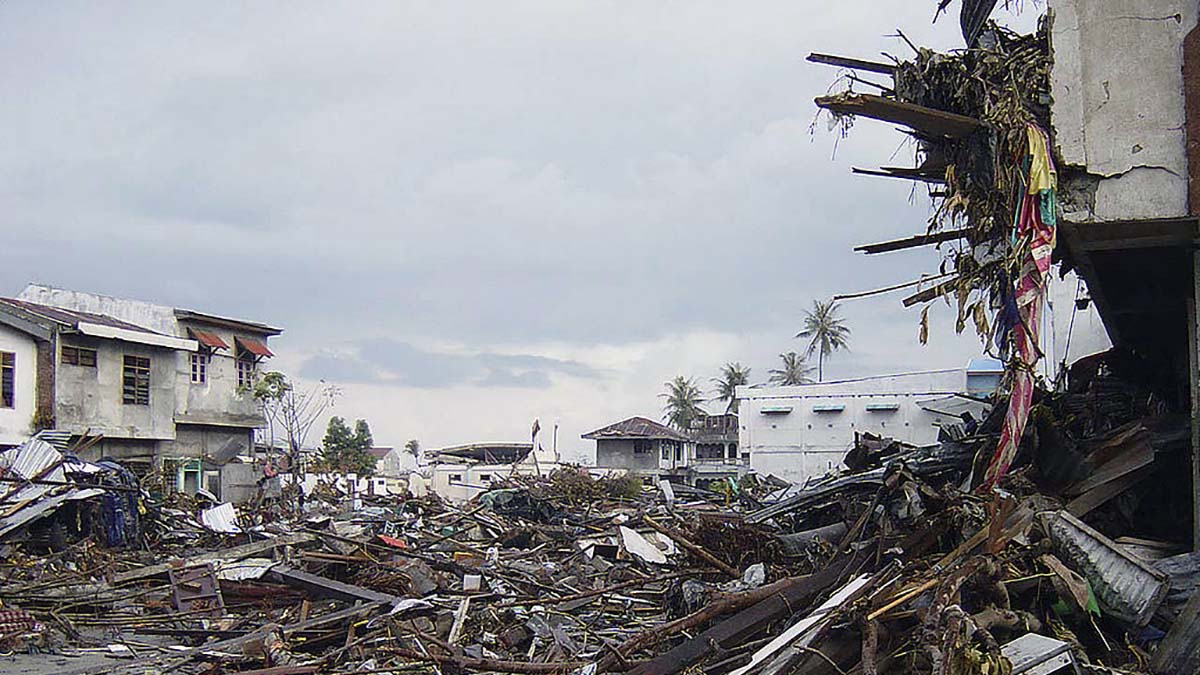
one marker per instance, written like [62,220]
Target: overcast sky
[469,214]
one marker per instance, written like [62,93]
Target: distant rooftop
[489,453]
[636,428]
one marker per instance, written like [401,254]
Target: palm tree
[795,371]
[413,446]
[825,331]
[732,375]
[683,402]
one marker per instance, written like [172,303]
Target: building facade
[799,432]
[160,386]
[459,473]
[709,451]
[1126,90]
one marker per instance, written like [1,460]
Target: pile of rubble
[898,565]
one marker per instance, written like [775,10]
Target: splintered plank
[902,173]
[853,64]
[931,293]
[928,121]
[224,555]
[911,242]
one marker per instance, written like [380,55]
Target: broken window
[245,372]
[678,453]
[8,379]
[455,478]
[78,356]
[200,367]
[485,478]
[135,380]
[666,452]
[641,447]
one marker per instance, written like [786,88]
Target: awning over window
[210,340]
[255,347]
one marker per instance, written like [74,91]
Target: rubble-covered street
[894,565]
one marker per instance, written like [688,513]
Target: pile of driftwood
[898,565]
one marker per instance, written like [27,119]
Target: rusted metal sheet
[255,347]
[207,339]
[1128,589]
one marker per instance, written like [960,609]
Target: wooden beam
[1179,651]
[931,293]
[326,587]
[739,627]
[912,242]
[910,174]
[234,553]
[928,121]
[853,64]
[893,287]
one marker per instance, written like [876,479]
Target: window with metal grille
[245,373]
[78,356]
[200,367]
[135,383]
[8,379]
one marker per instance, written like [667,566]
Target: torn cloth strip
[1035,231]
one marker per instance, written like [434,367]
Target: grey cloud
[586,176]
[402,364]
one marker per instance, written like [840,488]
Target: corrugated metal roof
[256,347]
[1127,588]
[637,427]
[207,339]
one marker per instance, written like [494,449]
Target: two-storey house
[163,386]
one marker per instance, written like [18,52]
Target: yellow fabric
[1042,175]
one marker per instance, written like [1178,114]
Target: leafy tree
[683,402]
[413,447]
[825,331]
[732,376]
[795,370]
[347,451]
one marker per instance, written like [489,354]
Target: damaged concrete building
[160,386]
[1111,91]
[708,452]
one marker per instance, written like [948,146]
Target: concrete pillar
[1194,374]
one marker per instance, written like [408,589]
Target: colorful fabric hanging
[1035,229]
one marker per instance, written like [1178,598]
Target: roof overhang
[255,347]
[210,340]
[139,337]
[22,321]
[225,322]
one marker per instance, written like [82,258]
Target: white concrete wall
[89,400]
[472,479]
[1118,105]
[16,422]
[617,453]
[805,442]
[396,463]
[145,314]
[216,401]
